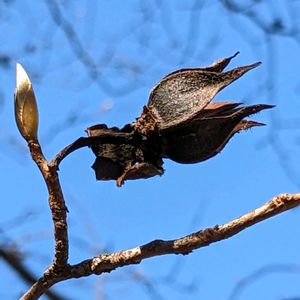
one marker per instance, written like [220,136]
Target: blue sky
[133,45]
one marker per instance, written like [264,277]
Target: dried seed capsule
[179,123]
[204,137]
[182,95]
[124,160]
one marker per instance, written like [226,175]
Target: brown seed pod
[204,137]
[129,159]
[182,94]
[178,123]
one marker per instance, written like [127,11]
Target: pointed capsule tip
[242,70]
[268,106]
[250,67]
[235,54]
[256,64]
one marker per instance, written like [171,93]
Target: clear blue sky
[134,44]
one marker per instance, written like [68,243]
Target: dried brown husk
[179,123]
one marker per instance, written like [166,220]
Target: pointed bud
[26,112]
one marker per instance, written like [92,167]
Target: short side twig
[87,142]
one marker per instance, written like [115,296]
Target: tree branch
[117,137]
[57,206]
[185,245]
[109,262]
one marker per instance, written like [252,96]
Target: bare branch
[57,206]
[185,245]
[89,141]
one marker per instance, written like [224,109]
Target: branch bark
[109,262]
[87,142]
[59,217]
[185,245]
[57,205]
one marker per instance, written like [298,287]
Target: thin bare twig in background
[88,62]
[261,273]
[18,266]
